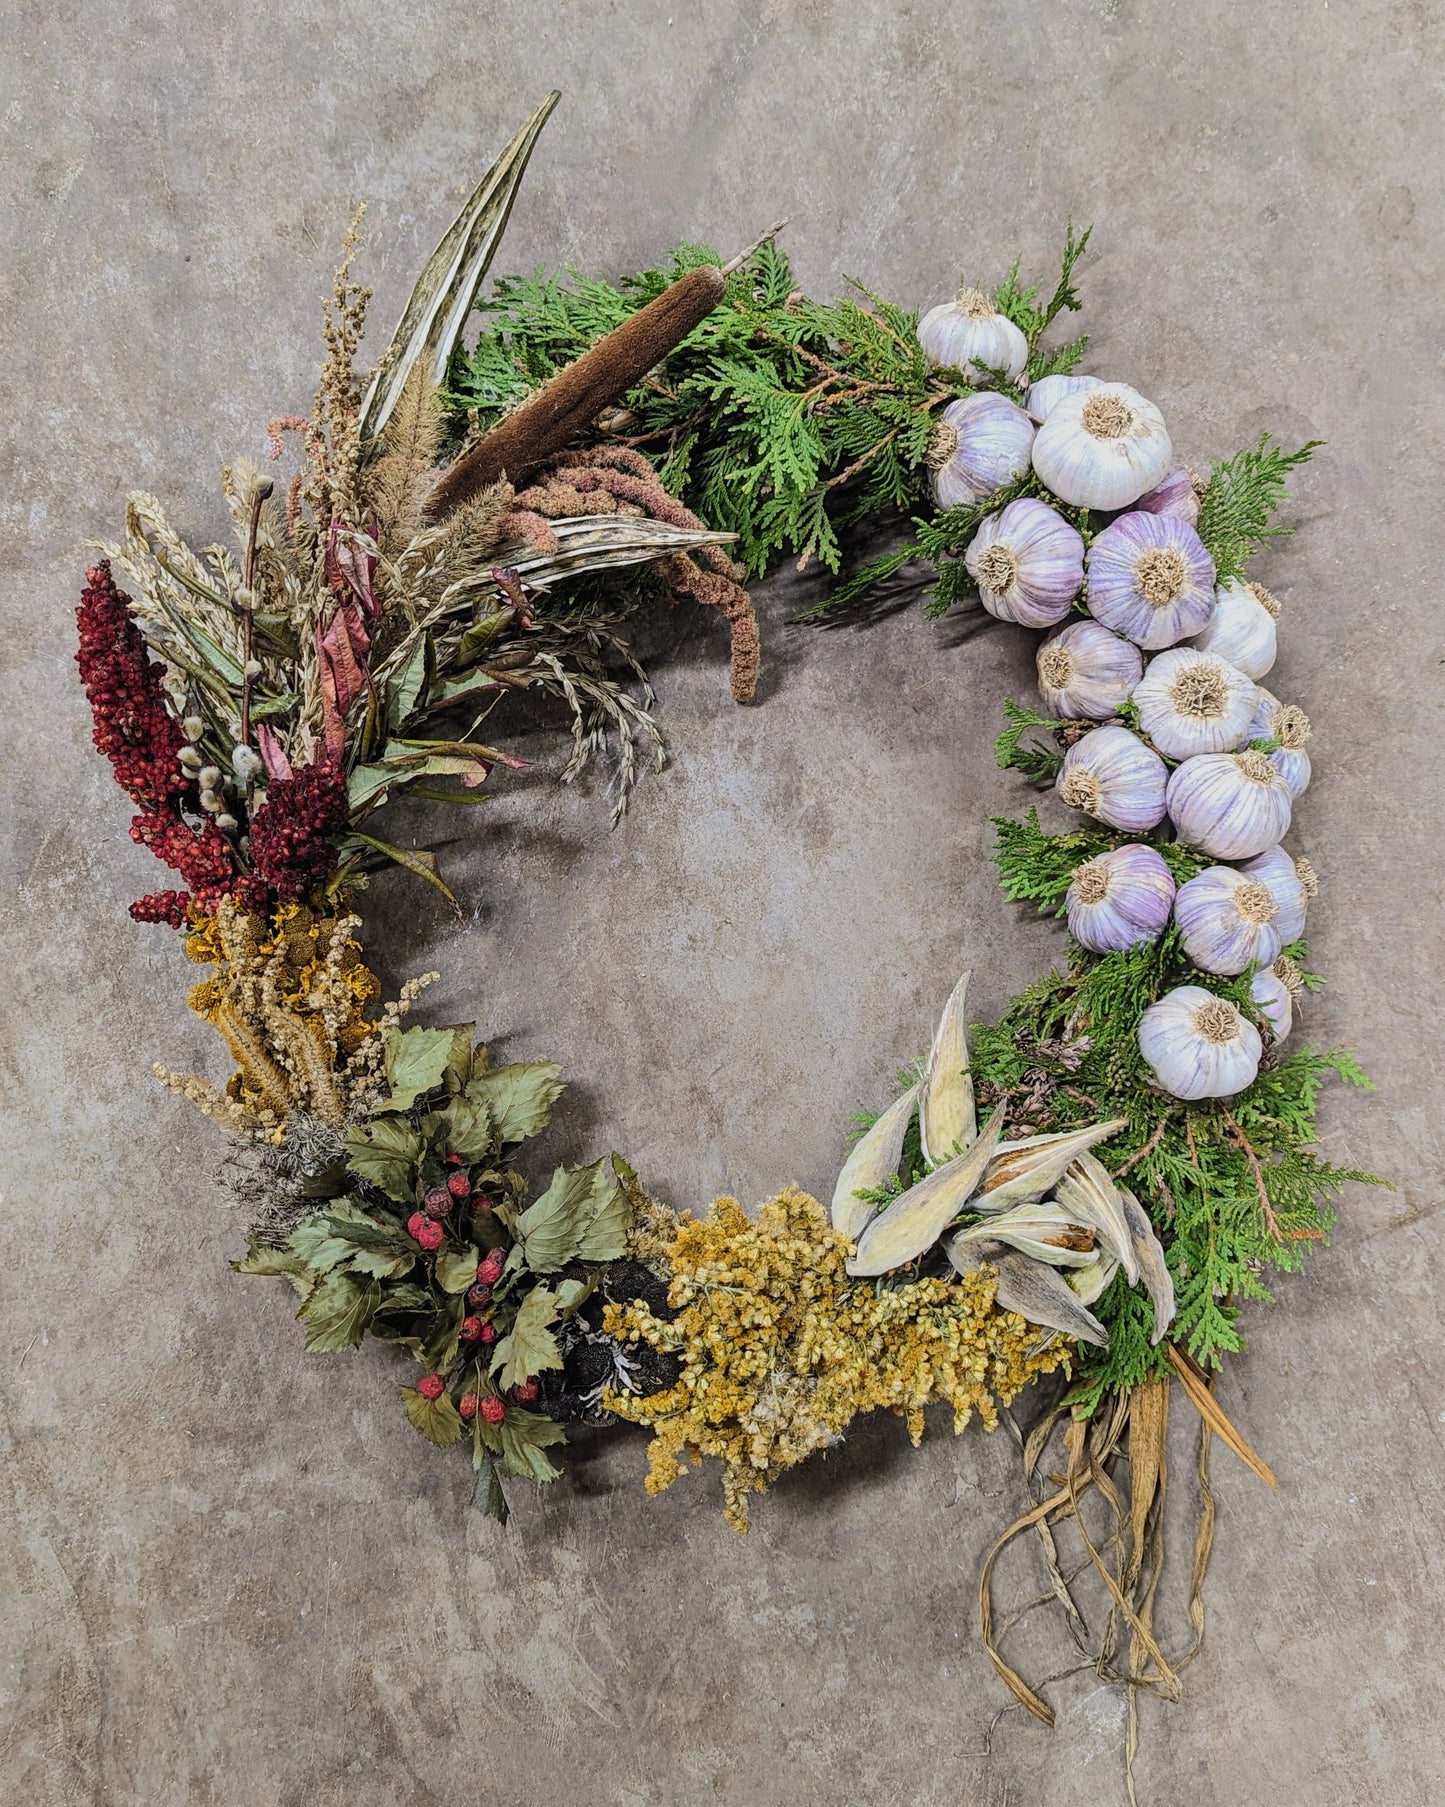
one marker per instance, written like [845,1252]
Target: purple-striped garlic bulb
[1151,580]
[1086,673]
[1120,899]
[981,442]
[1112,776]
[1028,563]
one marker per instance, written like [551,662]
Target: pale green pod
[872,1163]
[916,1220]
[1092,1282]
[1089,1192]
[1027,1169]
[1152,1269]
[1043,1229]
[1037,1293]
[946,1119]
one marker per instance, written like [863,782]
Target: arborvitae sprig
[1235,513]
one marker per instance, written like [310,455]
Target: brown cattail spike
[566,406]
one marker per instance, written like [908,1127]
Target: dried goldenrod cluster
[780,1349]
[288,996]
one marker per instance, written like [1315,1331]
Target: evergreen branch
[1235,513]
[1036,762]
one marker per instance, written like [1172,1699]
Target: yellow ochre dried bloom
[780,1349]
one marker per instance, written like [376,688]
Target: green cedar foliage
[1237,509]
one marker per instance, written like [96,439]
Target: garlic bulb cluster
[1102,447]
[1191,702]
[1151,579]
[1274,720]
[1228,920]
[1243,627]
[1028,563]
[1120,899]
[1274,1000]
[971,335]
[1178,495]
[1229,805]
[981,442]
[1050,389]
[1086,673]
[1198,1045]
[1111,775]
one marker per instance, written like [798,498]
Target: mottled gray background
[234,1574]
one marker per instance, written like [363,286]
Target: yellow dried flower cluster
[781,1349]
[289,997]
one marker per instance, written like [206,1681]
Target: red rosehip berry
[471,1329]
[489,1268]
[488,1334]
[415,1224]
[479,1295]
[482,1203]
[525,1392]
[459,1185]
[467,1405]
[431,1386]
[430,1234]
[438,1201]
[453,1160]
[492,1409]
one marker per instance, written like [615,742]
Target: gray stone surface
[233,1574]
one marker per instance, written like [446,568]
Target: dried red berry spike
[293,830]
[467,1405]
[492,1409]
[453,1160]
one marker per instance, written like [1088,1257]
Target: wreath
[1095,1188]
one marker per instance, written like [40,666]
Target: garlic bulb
[1274,1001]
[1103,447]
[1228,920]
[1292,884]
[1192,702]
[981,441]
[1085,672]
[1198,1045]
[1178,495]
[1242,629]
[971,335]
[1151,580]
[1043,394]
[1274,720]
[1028,563]
[1120,899]
[1229,805]
[1111,775]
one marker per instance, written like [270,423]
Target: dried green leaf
[529,1346]
[385,1150]
[582,1213]
[519,1098]
[437,1419]
[456,1267]
[338,1311]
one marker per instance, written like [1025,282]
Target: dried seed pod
[1025,1170]
[916,1220]
[1088,1192]
[871,1164]
[946,1119]
[1036,1292]
[1043,1229]
[1152,1268]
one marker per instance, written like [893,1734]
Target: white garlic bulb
[1274,1001]
[1111,775]
[1120,899]
[1050,389]
[1085,672]
[1229,805]
[1242,629]
[1192,702]
[971,335]
[981,442]
[1102,448]
[1228,920]
[1292,883]
[1274,720]
[1028,563]
[1198,1045]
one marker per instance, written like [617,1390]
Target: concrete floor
[235,1575]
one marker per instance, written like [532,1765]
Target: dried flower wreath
[473,524]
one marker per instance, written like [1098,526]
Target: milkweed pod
[1027,1169]
[946,1119]
[915,1221]
[872,1163]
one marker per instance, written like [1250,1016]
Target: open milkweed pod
[915,1220]
[1025,1170]
[1092,1282]
[1035,1291]
[872,1164]
[1152,1268]
[1043,1229]
[946,1119]
[1088,1191]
